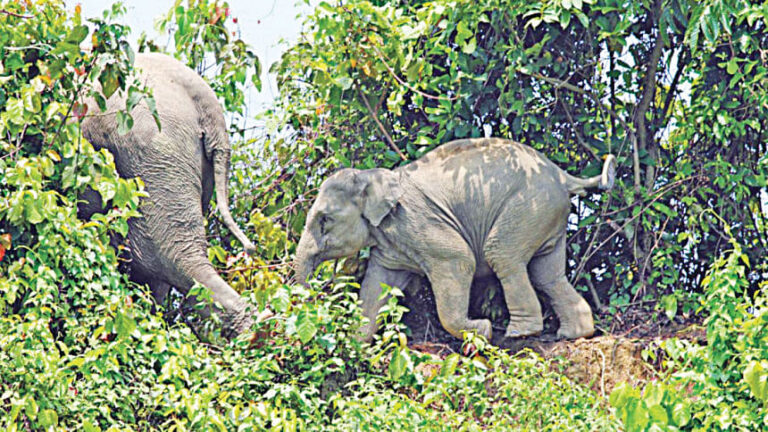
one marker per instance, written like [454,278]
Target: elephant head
[349,204]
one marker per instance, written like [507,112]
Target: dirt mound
[600,362]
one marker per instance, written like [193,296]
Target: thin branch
[648,256]
[628,221]
[593,292]
[616,227]
[673,86]
[636,161]
[566,85]
[404,83]
[613,86]
[18,15]
[579,138]
[375,118]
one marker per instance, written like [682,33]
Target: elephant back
[190,115]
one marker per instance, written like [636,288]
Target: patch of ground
[612,356]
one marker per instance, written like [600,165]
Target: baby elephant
[464,210]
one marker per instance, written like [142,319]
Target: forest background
[675,89]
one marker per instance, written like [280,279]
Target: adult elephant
[466,210]
[181,164]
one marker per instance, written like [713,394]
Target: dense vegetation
[676,89]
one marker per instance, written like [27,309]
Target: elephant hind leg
[233,310]
[548,275]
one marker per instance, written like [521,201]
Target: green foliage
[82,348]
[201,29]
[378,84]
[720,386]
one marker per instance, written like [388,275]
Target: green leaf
[681,414]
[217,253]
[344,82]
[109,81]
[694,27]
[397,364]
[106,188]
[33,211]
[636,416]
[30,408]
[462,31]
[152,105]
[469,47]
[134,97]
[124,325]
[15,109]
[305,328]
[669,303]
[449,365]
[48,417]
[756,378]
[124,122]
[664,209]
[77,35]
[31,100]
[256,77]
[89,427]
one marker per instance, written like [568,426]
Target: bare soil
[611,356]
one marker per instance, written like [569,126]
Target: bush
[722,385]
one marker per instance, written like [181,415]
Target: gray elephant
[180,165]
[464,210]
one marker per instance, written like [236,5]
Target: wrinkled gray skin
[180,165]
[464,210]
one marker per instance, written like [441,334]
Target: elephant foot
[264,315]
[521,328]
[482,327]
[576,321]
[236,324]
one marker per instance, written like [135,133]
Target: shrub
[722,385]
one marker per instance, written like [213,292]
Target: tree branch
[579,138]
[375,118]
[404,83]
[18,15]
[566,85]
[649,91]
[633,137]
[673,86]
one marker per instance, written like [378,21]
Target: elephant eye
[324,221]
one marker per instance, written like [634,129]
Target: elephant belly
[483,270]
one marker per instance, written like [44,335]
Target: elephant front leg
[451,282]
[370,293]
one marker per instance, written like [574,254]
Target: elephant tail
[220,176]
[604,181]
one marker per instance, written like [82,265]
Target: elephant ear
[379,191]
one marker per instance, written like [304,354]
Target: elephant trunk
[220,174]
[306,259]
